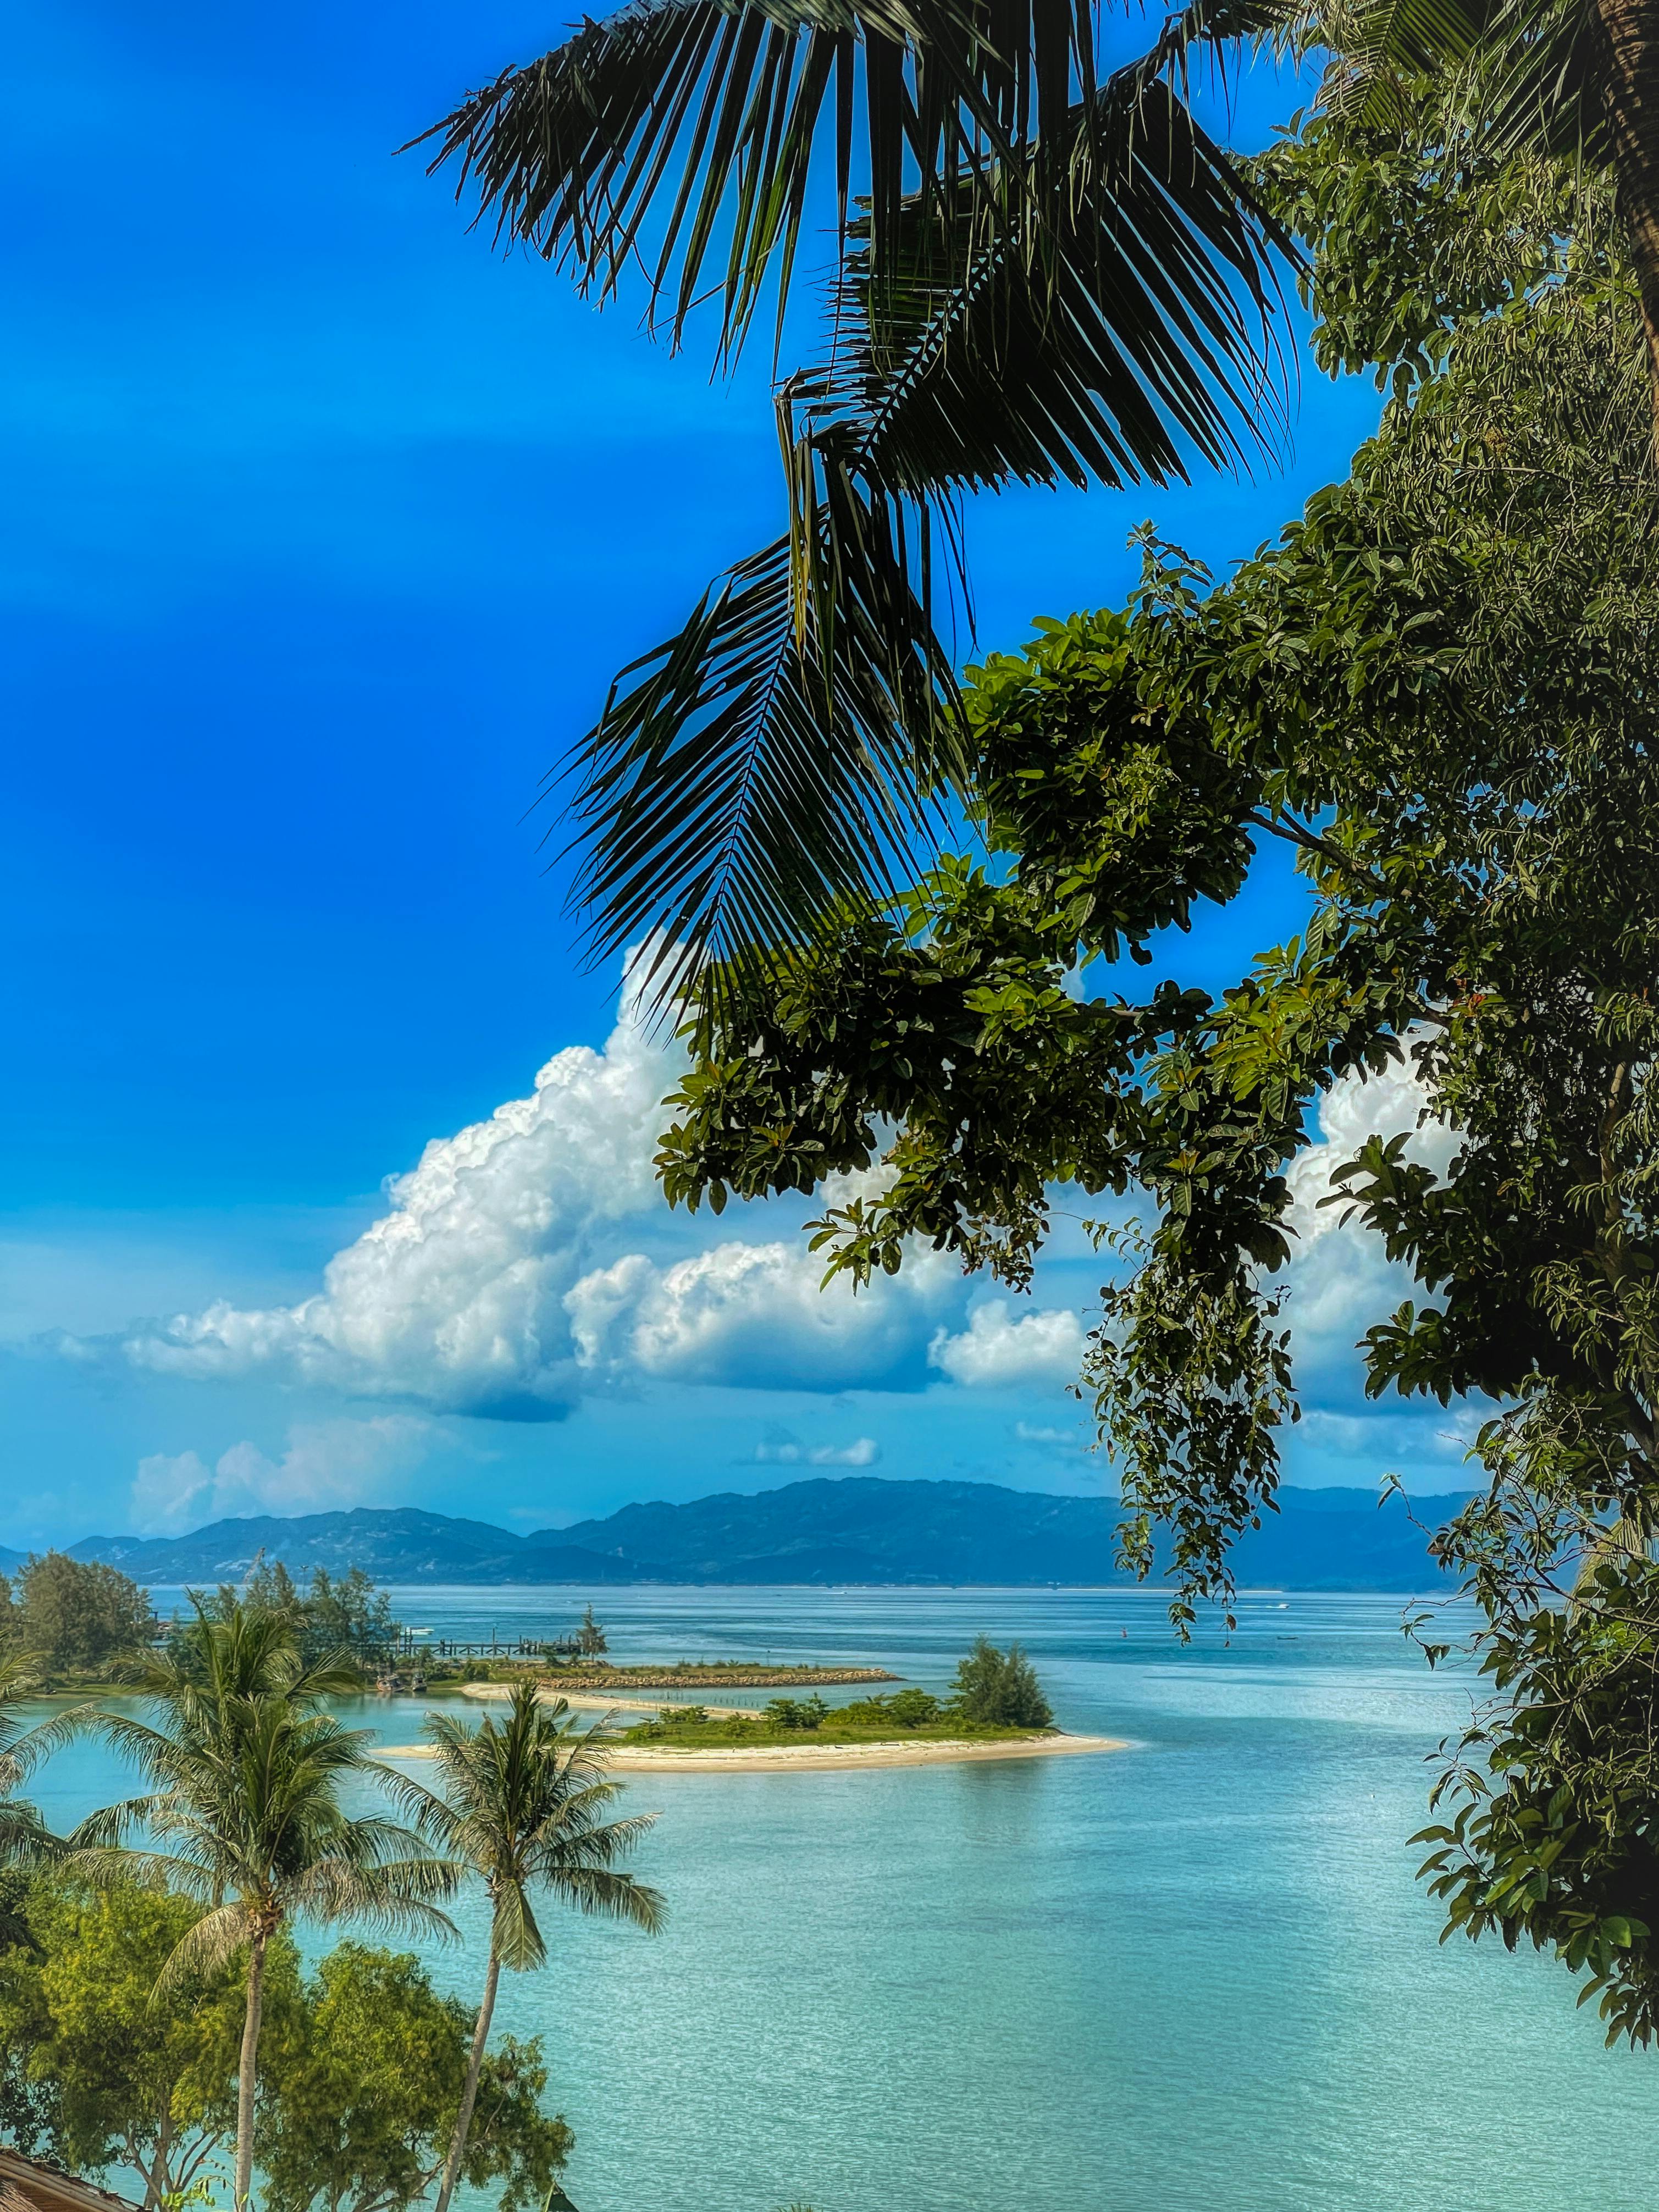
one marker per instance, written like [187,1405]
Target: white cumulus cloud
[1391,1105]
[997,1352]
[780,1449]
[328,1465]
[759,1317]
[456,1296]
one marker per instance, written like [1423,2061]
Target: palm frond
[395,1897]
[25,1838]
[1545,75]
[206,1946]
[674,127]
[27,1751]
[1378,52]
[515,1937]
[786,755]
[110,1868]
[740,780]
[598,1890]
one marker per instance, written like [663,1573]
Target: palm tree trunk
[1630,33]
[470,2091]
[248,2072]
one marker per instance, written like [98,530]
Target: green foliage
[125,2067]
[76,1618]
[335,1613]
[999,1689]
[245,1813]
[363,2084]
[591,1637]
[902,1709]
[1048,272]
[1437,689]
[797,1712]
[1007,1702]
[29,2106]
[347,1612]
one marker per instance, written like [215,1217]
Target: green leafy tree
[999,1689]
[140,2070]
[363,2088]
[1523,85]
[1436,689]
[269,1586]
[75,1616]
[591,1637]
[905,1709]
[523,1804]
[797,1712]
[245,1814]
[29,2118]
[347,1612]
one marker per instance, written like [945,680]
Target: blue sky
[328,530]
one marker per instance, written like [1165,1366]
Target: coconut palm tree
[24,1836]
[1048,272]
[522,1804]
[244,1814]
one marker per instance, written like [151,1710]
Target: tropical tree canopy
[245,1814]
[362,2085]
[126,2072]
[524,1804]
[1436,687]
[1048,272]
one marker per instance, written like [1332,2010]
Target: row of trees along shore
[153,2003]
[871,882]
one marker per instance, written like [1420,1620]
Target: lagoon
[1195,1975]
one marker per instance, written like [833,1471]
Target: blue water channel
[1195,1975]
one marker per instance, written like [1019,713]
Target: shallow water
[1193,1977]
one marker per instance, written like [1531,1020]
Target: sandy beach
[818,1757]
[592,1701]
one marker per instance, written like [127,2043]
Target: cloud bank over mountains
[527,1264]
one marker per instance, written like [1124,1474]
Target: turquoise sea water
[1196,1976]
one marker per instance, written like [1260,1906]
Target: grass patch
[910,1716]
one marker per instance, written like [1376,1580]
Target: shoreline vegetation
[996,1709]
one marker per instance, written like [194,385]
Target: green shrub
[999,1689]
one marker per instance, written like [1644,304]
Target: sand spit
[583,1701]
[820,1758]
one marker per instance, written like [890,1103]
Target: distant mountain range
[856,1529]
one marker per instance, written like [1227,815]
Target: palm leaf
[1379,51]
[655,135]
[787,752]
[739,779]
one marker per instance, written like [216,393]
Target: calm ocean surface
[1194,1977]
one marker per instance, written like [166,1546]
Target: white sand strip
[819,1757]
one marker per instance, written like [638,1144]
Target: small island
[996,1709]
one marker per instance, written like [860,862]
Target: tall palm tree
[523,1805]
[1049,273]
[24,1835]
[244,1815]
